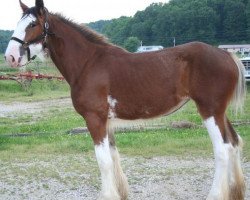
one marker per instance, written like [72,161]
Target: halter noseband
[43,37]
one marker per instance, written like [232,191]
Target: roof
[234,46]
[149,48]
[245,58]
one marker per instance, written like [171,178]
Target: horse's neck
[65,49]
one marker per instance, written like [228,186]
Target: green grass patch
[36,90]
[54,121]
[46,144]
[184,142]
[165,142]
[25,90]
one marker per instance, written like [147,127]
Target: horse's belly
[146,110]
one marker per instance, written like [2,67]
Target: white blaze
[13,48]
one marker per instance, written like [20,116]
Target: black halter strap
[25,45]
[41,38]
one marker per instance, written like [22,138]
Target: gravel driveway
[76,177]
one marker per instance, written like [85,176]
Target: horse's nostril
[13,59]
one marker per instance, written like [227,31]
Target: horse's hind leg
[228,183]
[236,179]
[120,178]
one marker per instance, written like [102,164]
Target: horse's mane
[87,33]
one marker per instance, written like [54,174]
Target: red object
[30,76]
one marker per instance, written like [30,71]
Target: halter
[42,37]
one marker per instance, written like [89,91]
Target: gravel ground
[76,177]
[73,177]
[19,108]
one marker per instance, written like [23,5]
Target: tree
[142,24]
[4,39]
[210,21]
[248,20]
[195,20]
[235,21]
[117,30]
[131,44]
[99,26]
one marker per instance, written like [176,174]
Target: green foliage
[131,44]
[4,39]
[117,30]
[235,21]
[99,25]
[248,20]
[210,21]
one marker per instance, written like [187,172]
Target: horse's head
[29,37]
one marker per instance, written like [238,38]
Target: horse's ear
[40,6]
[23,6]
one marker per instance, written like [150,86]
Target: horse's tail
[240,89]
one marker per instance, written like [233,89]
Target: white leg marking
[219,188]
[104,159]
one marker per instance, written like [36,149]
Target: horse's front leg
[97,127]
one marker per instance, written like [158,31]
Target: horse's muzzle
[12,61]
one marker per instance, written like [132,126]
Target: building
[148,48]
[246,63]
[243,49]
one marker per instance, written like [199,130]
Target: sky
[80,11]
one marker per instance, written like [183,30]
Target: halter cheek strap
[25,45]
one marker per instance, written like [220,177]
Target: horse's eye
[32,24]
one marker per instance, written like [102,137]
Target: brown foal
[109,83]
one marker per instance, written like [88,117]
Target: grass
[36,89]
[49,130]
[49,123]
[165,142]
[49,136]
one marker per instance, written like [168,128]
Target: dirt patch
[16,109]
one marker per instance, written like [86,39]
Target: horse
[109,83]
